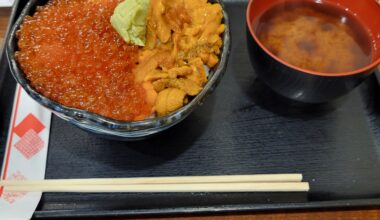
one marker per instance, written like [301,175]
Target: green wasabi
[129,20]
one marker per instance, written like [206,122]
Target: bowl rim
[368,67]
[85,117]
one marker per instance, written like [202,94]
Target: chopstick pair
[229,183]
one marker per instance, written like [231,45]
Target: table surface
[294,215]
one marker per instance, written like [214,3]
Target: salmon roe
[71,54]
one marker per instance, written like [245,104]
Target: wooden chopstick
[162,180]
[229,183]
[174,187]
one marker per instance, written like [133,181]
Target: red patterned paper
[29,122]
[11,197]
[29,144]
[25,155]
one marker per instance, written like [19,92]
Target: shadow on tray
[266,98]
[163,147]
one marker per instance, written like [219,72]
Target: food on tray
[318,37]
[72,54]
[129,20]
[182,37]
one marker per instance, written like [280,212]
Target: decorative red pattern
[11,197]
[8,149]
[30,144]
[29,122]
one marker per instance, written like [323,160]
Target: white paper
[25,155]
[6,3]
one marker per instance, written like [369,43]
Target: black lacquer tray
[243,128]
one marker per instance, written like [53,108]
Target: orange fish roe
[71,54]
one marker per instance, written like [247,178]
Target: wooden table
[370,214]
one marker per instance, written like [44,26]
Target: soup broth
[313,36]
